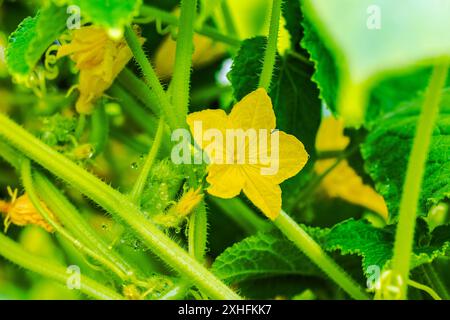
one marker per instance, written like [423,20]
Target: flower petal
[226,181]
[264,194]
[291,158]
[254,111]
[209,119]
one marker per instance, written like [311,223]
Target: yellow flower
[343,182]
[21,212]
[228,179]
[99,59]
[188,202]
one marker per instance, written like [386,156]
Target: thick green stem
[152,81]
[314,252]
[115,203]
[69,216]
[183,58]
[141,181]
[271,50]
[14,252]
[168,18]
[28,184]
[414,175]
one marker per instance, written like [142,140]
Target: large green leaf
[111,14]
[412,33]
[384,97]
[32,38]
[386,152]
[375,245]
[264,255]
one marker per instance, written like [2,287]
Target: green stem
[198,233]
[242,215]
[28,184]
[139,90]
[271,50]
[183,59]
[152,80]
[14,252]
[435,281]
[168,18]
[314,252]
[115,203]
[141,181]
[144,119]
[99,129]
[69,216]
[414,175]
[425,288]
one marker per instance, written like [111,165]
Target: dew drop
[134,166]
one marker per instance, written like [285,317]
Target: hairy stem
[183,59]
[28,184]
[271,50]
[314,252]
[414,175]
[152,80]
[141,181]
[14,252]
[115,203]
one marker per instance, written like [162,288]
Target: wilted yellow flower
[343,182]
[254,113]
[188,202]
[21,212]
[99,59]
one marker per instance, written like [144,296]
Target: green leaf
[247,66]
[392,139]
[50,24]
[264,255]
[32,38]
[292,16]
[384,97]
[18,44]
[375,245]
[412,34]
[111,14]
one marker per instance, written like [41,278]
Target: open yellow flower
[99,59]
[227,180]
[343,182]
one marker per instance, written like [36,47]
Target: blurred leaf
[367,51]
[111,14]
[393,138]
[385,96]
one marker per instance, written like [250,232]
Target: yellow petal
[254,111]
[264,194]
[330,136]
[343,182]
[209,119]
[226,181]
[293,157]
